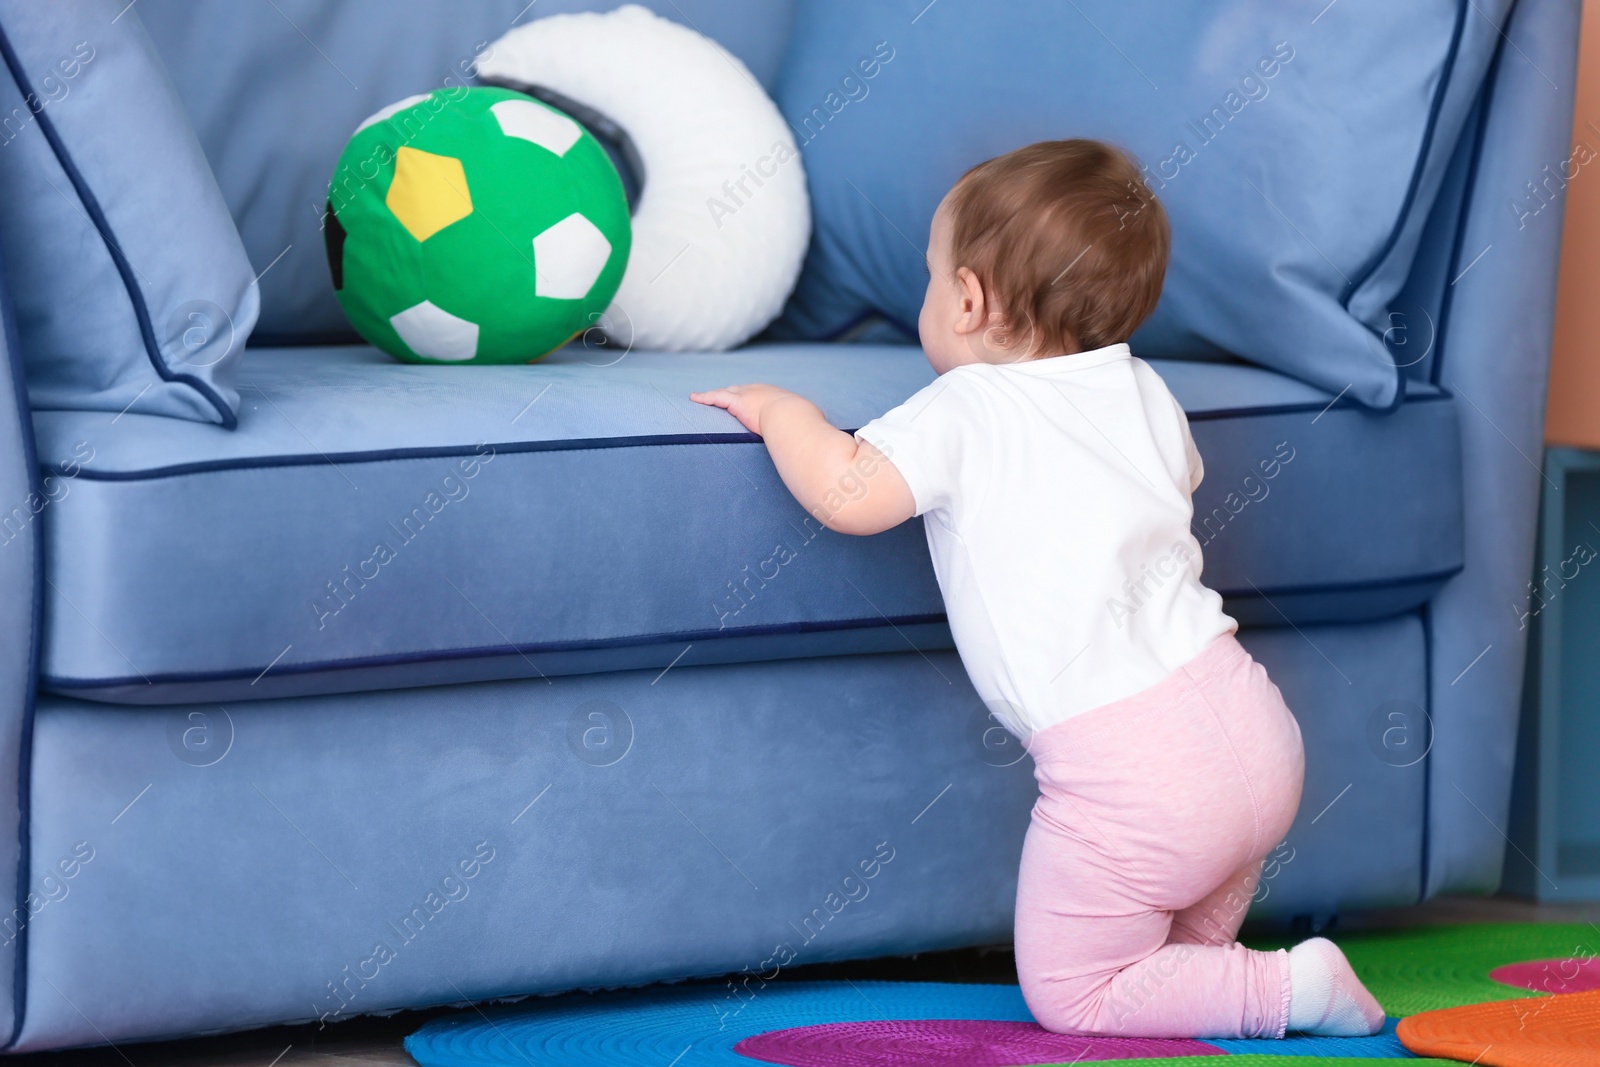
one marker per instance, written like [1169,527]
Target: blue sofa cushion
[132,289]
[1296,148]
[276,89]
[373,525]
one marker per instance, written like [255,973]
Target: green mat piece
[1420,969]
[1429,967]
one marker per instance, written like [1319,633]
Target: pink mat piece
[1575,974]
[950,1043]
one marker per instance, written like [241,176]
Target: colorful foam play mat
[1517,995]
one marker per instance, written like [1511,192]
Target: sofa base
[288,860]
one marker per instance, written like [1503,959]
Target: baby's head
[1055,248]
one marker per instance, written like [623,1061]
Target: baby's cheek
[925,316]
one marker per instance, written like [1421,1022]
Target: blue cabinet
[1555,805]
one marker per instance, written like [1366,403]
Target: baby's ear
[974,309]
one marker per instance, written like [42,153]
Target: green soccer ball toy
[474,225]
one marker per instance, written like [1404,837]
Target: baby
[1054,470]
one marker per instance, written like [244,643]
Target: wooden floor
[371,1042]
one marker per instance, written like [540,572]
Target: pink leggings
[1146,845]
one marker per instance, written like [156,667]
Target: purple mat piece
[950,1043]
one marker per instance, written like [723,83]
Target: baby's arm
[846,484]
[1197,467]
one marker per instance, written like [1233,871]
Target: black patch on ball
[333,240]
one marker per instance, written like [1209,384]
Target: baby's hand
[744,402]
[818,462]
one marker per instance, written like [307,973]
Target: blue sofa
[614,710]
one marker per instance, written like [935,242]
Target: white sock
[1325,996]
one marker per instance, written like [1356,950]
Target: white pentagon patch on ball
[384,112]
[724,206]
[568,257]
[544,126]
[433,333]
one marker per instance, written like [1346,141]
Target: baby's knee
[1054,1015]
[1105,1005]
[1062,1007]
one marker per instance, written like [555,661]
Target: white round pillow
[723,220]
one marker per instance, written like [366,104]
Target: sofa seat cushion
[372,525]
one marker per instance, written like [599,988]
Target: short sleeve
[922,439]
[1197,468]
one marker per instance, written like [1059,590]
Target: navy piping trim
[1427,758]
[577,444]
[91,207]
[490,651]
[1447,302]
[1433,577]
[63,684]
[19,978]
[1424,150]
[1305,408]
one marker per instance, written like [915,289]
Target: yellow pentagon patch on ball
[428,193]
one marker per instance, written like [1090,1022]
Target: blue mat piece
[698,1025]
[1384,1045]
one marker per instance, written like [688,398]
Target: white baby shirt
[1055,494]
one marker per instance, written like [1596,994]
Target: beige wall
[1574,410]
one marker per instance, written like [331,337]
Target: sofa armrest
[1497,321]
[22,505]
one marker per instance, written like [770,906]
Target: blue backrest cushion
[1296,146]
[276,89]
[133,291]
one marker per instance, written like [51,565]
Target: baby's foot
[1325,996]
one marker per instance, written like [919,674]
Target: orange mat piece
[1554,1031]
